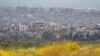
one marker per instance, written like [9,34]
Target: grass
[51,48]
[63,48]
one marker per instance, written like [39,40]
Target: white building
[23,27]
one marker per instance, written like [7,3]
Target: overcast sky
[53,3]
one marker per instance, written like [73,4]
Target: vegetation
[55,49]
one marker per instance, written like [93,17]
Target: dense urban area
[23,24]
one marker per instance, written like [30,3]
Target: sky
[52,3]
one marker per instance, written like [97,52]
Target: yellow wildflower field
[56,49]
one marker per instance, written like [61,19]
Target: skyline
[52,3]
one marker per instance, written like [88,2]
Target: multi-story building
[36,26]
[23,27]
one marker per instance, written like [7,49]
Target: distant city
[24,24]
[61,15]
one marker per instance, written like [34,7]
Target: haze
[53,3]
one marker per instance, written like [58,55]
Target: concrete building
[36,26]
[23,27]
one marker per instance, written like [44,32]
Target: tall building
[36,25]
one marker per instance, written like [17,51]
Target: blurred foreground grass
[55,49]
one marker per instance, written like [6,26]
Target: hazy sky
[53,3]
